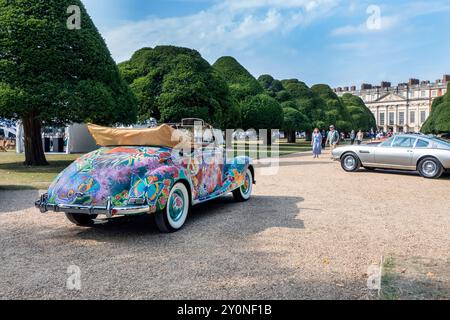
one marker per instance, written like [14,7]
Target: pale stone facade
[403,108]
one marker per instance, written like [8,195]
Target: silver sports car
[426,154]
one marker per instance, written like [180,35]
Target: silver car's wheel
[430,168]
[350,162]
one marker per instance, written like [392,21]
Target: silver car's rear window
[441,141]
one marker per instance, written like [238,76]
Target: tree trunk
[34,151]
[268,138]
[309,136]
[292,137]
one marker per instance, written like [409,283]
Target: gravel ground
[309,232]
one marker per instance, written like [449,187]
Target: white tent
[74,138]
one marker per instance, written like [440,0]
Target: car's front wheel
[430,168]
[82,220]
[174,216]
[350,162]
[244,193]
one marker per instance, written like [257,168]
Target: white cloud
[386,23]
[391,21]
[228,26]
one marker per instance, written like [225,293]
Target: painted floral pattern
[144,173]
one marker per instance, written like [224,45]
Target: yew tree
[56,69]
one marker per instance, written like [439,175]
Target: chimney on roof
[413,82]
[446,78]
[353,88]
[366,86]
[346,89]
[385,84]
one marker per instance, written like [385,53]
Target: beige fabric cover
[162,136]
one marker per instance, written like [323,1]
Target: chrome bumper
[110,211]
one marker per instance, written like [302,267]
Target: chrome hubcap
[349,162]
[429,168]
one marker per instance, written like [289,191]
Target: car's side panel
[366,154]
[442,155]
[214,176]
[400,158]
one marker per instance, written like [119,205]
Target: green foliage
[57,75]
[361,116]
[271,86]
[439,119]
[294,120]
[261,112]
[242,84]
[335,111]
[172,83]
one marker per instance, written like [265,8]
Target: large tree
[335,111]
[242,84]
[439,119]
[271,86]
[294,121]
[172,83]
[361,116]
[262,112]
[56,70]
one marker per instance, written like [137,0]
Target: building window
[423,116]
[391,118]
[434,93]
[444,91]
[401,117]
[412,117]
[382,119]
[423,94]
[411,94]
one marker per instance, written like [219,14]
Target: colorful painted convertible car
[121,180]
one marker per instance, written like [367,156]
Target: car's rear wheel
[350,162]
[430,168]
[82,220]
[244,193]
[174,216]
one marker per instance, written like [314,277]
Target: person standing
[353,137]
[324,139]
[316,143]
[332,138]
[359,137]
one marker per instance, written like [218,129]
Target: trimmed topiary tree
[439,119]
[172,83]
[361,116]
[242,84]
[262,112]
[52,74]
[294,121]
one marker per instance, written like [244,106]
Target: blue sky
[338,42]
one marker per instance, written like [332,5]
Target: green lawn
[284,148]
[13,175]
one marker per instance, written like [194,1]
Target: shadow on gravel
[445,176]
[17,200]
[221,216]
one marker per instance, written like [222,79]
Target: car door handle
[364,151]
[410,151]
